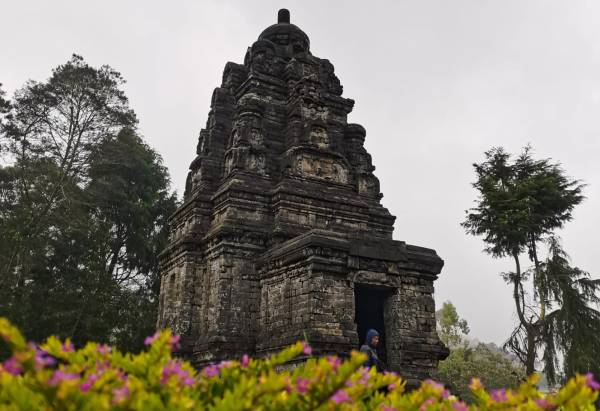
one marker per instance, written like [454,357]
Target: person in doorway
[370,348]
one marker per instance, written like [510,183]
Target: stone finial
[283,16]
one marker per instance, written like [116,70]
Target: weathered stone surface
[282,221]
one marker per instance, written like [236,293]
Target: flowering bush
[55,376]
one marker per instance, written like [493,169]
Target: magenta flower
[545,404]
[68,347]
[386,408]
[335,362]
[365,376]
[89,383]
[103,349]
[102,366]
[306,349]
[225,364]
[120,394]
[174,342]
[302,385]
[245,360]
[42,358]
[435,385]
[12,366]
[460,406]
[211,371]
[593,384]
[174,368]
[426,404]
[340,396]
[151,339]
[60,375]
[498,395]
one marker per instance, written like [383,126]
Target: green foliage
[488,363]
[451,328]
[519,202]
[465,362]
[4,104]
[571,329]
[98,377]
[520,206]
[84,204]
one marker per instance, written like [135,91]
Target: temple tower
[282,234]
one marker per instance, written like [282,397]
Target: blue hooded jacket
[370,350]
[370,334]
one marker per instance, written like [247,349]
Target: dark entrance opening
[369,303]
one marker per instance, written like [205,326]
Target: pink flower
[151,339]
[365,376]
[460,406]
[302,385]
[60,375]
[545,404]
[335,362]
[68,347]
[120,394]
[340,396]
[103,349]
[174,368]
[593,384]
[225,364]
[12,366]
[211,371]
[498,395]
[174,342]
[426,404]
[42,358]
[245,360]
[306,349]
[89,383]
[435,385]
[386,408]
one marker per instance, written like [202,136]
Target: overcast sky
[436,83]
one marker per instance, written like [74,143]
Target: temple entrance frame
[371,304]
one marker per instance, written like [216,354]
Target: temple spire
[283,16]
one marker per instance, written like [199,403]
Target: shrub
[56,376]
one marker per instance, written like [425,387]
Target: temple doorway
[369,305]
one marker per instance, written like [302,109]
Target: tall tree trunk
[530,359]
[538,281]
[530,329]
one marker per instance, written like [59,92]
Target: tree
[451,328]
[129,202]
[83,211]
[521,204]
[467,359]
[4,104]
[484,361]
[55,125]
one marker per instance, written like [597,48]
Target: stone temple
[282,235]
